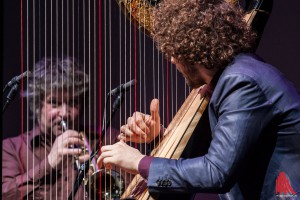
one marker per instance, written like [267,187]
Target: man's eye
[54,102]
[51,101]
[73,102]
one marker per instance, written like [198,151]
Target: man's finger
[83,158]
[139,121]
[154,109]
[106,148]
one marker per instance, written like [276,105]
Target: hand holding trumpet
[61,150]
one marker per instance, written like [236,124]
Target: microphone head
[129,83]
[122,88]
[16,79]
[28,74]
[23,75]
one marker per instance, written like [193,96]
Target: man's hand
[120,155]
[141,128]
[61,149]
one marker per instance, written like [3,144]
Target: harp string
[105,80]
[22,87]
[63,89]
[93,115]
[100,81]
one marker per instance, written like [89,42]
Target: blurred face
[192,76]
[56,107]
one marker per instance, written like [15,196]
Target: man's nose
[173,60]
[64,110]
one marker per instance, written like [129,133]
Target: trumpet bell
[105,185]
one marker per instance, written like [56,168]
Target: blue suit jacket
[254,116]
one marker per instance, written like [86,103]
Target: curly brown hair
[207,32]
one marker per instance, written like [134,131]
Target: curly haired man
[254,111]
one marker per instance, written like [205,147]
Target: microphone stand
[85,166]
[11,95]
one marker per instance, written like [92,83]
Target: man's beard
[192,84]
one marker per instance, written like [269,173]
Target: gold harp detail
[139,11]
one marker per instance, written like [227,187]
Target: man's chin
[193,85]
[57,131]
[189,84]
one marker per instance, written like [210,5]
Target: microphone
[13,84]
[17,79]
[117,102]
[122,88]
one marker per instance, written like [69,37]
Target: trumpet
[105,184]
[65,128]
[101,184]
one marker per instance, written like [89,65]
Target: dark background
[280,46]
[125,54]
